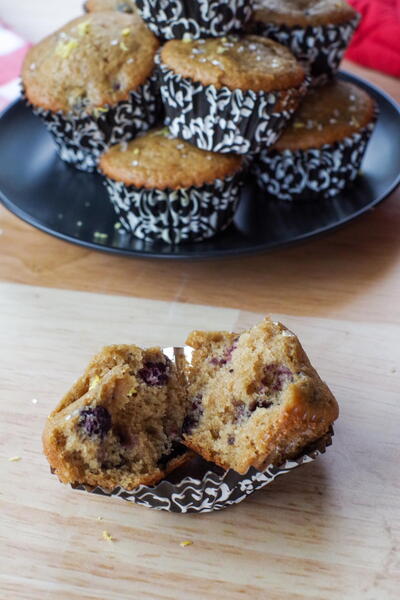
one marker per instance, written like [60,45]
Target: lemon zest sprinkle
[64,48]
[107,536]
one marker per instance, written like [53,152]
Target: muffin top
[247,63]
[125,6]
[93,61]
[158,160]
[303,12]
[327,115]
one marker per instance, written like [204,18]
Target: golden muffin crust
[247,63]
[157,160]
[303,12]
[327,115]
[254,398]
[93,61]
[125,6]
[120,423]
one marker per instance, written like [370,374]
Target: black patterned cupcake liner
[320,47]
[314,173]
[81,138]
[224,120]
[173,19]
[175,216]
[215,490]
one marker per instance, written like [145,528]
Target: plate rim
[233,252]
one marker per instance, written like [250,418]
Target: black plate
[42,190]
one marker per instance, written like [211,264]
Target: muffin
[316,31]
[93,84]
[120,423]
[321,151]
[229,94]
[166,189]
[255,398]
[126,6]
[194,18]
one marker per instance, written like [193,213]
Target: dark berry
[154,373]
[124,7]
[231,440]
[176,450]
[276,377]
[226,357]
[259,403]
[95,421]
[241,411]
[192,419]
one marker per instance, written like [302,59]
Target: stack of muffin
[172,101]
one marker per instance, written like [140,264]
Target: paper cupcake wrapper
[172,19]
[214,490]
[175,216]
[81,139]
[224,120]
[321,47]
[314,173]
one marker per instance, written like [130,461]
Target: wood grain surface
[329,530]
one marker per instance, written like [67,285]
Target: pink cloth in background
[376,43]
[12,52]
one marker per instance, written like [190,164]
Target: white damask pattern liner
[82,138]
[322,47]
[175,216]
[224,120]
[314,173]
[172,19]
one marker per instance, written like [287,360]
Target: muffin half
[120,424]
[254,399]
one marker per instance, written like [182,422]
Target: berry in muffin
[321,151]
[254,399]
[165,188]
[231,94]
[92,82]
[120,424]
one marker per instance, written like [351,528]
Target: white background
[34,19]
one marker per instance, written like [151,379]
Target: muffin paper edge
[213,491]
[321,46]
[175,216]
[314,173]
[81,139]
[224,120]
[197,18]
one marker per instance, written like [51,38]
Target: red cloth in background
[376,43]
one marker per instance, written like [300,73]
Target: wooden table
[330,530]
